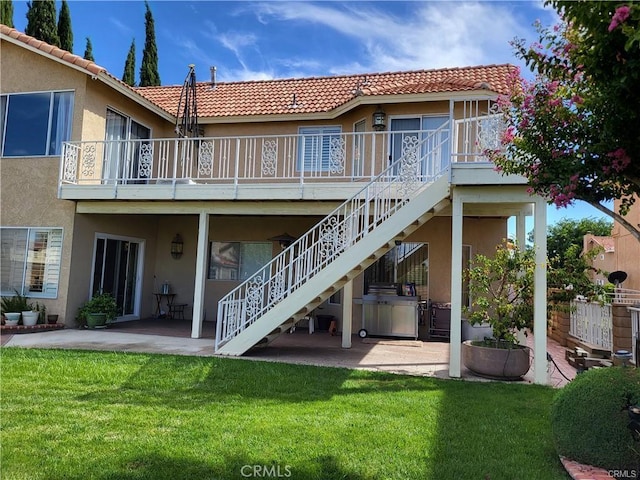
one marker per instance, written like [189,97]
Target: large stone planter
[496,363]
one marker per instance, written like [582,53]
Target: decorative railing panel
[326,241]
[277,158]
[592,322]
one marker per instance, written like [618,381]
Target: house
[365,179]
[627,247]
[604,260]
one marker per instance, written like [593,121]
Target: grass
[95,415]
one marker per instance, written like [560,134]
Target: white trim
[200,275]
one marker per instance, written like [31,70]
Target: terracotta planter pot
[496,363]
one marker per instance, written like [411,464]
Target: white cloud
[426,35]
[121,26]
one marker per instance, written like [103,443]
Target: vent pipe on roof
[213,76]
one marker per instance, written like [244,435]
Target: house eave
[365,100]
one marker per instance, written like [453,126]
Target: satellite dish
[617,277]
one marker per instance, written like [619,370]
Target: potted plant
[13,306]
[98,311]
[501,290]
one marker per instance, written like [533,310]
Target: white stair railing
[324,243]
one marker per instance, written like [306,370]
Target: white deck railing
[268,159]
[591,322]
[325,242]
[635,331]
[625,296]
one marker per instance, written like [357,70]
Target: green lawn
[95,415]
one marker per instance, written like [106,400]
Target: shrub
[589,418]
[100,303]
[15,303]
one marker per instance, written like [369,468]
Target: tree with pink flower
[574,131]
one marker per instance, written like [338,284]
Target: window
[237,261]
[358,148]
[30,261]
[336,298]
[123,158]
[318,147]
[35,124]
[406,263]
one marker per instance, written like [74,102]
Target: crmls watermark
[623,474]
[265,471]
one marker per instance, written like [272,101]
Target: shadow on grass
[158,467]
[501,429]
[169,380]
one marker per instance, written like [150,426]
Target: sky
[256,40]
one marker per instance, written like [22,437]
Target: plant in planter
[13,306]
[501,290]
[98,311]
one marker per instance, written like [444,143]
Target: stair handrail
[340,229]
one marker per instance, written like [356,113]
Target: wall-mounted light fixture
[284,239]
[177,246]
[379,119]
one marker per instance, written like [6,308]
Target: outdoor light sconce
[379,120]
[284,239]
[177,246]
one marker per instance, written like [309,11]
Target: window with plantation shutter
[314,152]
[30,261]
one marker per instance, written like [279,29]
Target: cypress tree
[149,75]
[65,32]
[6,13]
[129,75]
[41,21]
[88,51]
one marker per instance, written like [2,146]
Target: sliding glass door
[117,269]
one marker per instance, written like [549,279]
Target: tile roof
[323,94]
[606,242]
[64,55]
[295,95]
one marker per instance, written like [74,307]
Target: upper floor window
[124,142]
[30,261]
[318,147]
[35,124]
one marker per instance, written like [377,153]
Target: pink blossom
[620,159]
[508,135]
[619,17]
[577,99]
[555,102]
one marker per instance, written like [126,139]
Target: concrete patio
[167,336]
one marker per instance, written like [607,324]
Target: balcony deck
[282,167]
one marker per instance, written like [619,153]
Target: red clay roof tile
[52,50]
[297,95]
[323,94]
